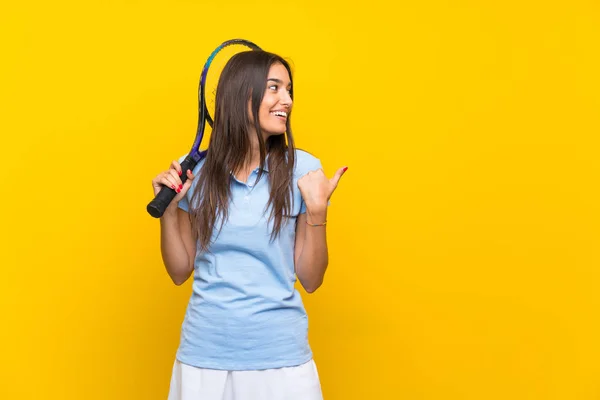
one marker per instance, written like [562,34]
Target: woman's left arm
[311,254]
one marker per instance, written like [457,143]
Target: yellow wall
[464,237]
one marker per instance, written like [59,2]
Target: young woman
[249,221]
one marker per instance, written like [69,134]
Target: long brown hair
[244,78]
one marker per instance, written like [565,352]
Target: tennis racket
[206,108]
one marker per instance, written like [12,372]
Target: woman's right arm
[177,242]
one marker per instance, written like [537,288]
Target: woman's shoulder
[306,161]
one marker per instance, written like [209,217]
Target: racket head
[207,87]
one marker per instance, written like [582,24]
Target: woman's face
[277,102]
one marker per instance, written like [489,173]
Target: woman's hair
[243,79]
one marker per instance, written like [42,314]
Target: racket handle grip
[161,201]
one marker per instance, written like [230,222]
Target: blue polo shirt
[244,312]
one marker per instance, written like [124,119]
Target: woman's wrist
[316,217]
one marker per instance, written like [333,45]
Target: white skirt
[290,383]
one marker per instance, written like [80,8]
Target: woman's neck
[252,161]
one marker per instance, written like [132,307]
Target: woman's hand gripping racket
[206,107]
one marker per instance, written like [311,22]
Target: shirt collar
[265,168]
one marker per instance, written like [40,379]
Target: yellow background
[464,237]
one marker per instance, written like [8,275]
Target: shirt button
[246,198]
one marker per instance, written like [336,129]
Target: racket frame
[161,201]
